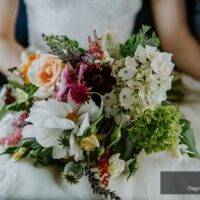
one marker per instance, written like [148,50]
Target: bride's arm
[9,49]
[171,24]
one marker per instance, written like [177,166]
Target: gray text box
[183,182]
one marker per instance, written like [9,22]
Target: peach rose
[44,73]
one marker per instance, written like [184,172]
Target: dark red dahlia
[99,79]
[79,93]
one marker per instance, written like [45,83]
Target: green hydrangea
[157,130]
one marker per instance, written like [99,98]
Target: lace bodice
[78,18]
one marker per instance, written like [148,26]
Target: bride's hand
[10,50]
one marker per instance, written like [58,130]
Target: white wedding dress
[77,19]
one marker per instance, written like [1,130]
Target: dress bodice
[78,18]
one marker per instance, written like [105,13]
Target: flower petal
[44,136]
[55,122]
[33,73]
[44,109]
[84,121]
[92,109]
[59,152]
[75,150]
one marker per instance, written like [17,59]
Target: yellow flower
[90,143]
[18,155]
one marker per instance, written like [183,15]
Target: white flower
[50,118]
[141,54]
[162,63]
[75,149]
[166,82]
[111,111]
[110,99]
[156,97]
[126,97]
[126,73]
[125,119]
[116,165]
[134,84]
[151,52]
[130,62]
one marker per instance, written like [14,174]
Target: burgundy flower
[79,93]
[99,79]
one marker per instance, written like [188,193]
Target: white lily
[50,118]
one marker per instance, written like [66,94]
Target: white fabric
[78,18]
[21,180]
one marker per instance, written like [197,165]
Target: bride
[77,19]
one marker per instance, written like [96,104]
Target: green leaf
[10,150]
[3,112]
[189,139]
[30,89]
[131,44]
[133,166]
[126,147]
[18,106]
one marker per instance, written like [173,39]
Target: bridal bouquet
[94,110]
